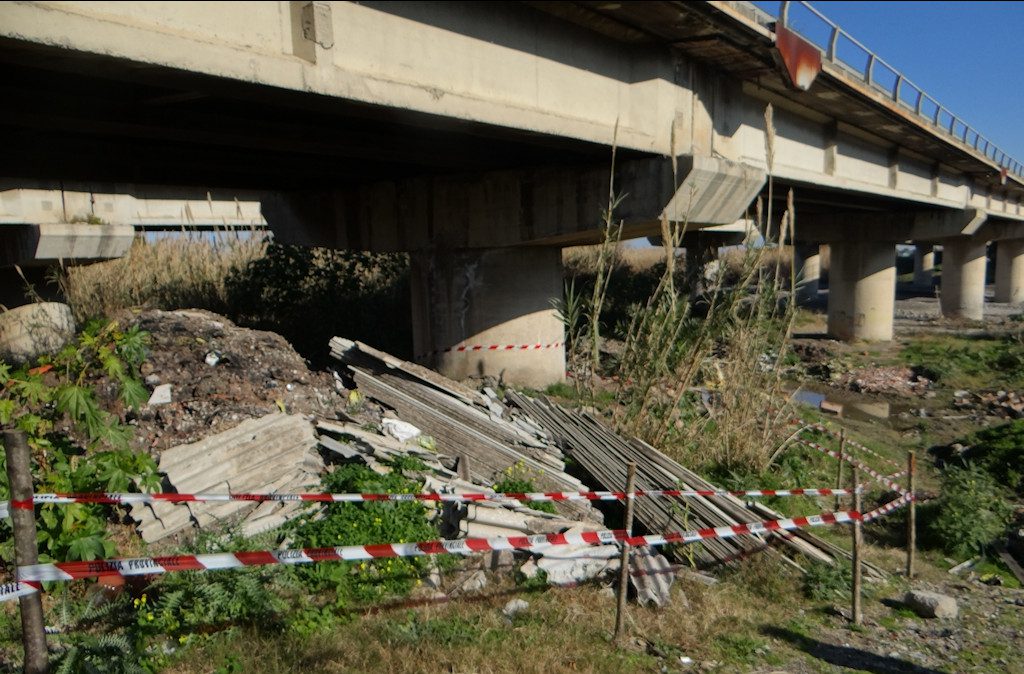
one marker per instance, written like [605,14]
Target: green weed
[519,479]
[970,513]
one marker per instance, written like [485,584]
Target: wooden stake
[839,469]
[23,521]
[620,609]
[463,468]
[856,617]
[911,514]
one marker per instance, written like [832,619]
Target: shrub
[1000,452]
[970,513]
[827,582]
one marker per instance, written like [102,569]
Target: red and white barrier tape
[853,443]
[888,507]
[128,498]
[859,464]
[467,348]
[143,566]
[9,591]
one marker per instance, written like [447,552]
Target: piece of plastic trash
[400,430]
[213,357]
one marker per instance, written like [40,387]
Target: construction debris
[570,565]
[1005,404]
[651,575]
[604,455]
[275,453]
[898,380]
[461,422]
[256,373]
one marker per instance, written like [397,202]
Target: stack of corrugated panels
[275,453]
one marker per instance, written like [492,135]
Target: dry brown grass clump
[187,270]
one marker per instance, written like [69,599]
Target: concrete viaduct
[477,136]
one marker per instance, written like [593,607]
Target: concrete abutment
[490,312]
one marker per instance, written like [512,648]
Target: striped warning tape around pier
[130,498]
[30,576]
[468,348]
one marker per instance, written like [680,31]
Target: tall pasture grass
[186,270]
[700,374]
[307,295]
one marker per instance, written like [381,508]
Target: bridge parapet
[838,50]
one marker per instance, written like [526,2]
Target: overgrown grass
[969,363]
[307,295]
[726,332]
[185,271]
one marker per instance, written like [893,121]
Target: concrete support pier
[862,290]
[1010,271]
[489,313]
[963,278]
[807,259]
[924,265]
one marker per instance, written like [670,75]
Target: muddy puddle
[848,404]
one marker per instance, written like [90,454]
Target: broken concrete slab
[570,565]
[515,607]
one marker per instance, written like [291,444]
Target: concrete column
[489,313]
[701,264]
[862,290]
[924,265]
[963,278]
[1010,271]
[807,259]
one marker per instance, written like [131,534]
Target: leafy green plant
[78,446]
[103,654]
[1000,452]
[196,602]
[970,513]
[518,479]
[62,389]
[363,524]
[449,631]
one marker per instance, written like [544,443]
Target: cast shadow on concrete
[845,656]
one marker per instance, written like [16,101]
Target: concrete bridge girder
[466,233]
[557,207]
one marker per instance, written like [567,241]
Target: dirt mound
[220,375]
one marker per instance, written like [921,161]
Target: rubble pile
[1004,404]
[209,375]
[235,410]
[897,380]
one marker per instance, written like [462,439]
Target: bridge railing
[842,49]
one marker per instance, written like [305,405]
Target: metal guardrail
[877,73]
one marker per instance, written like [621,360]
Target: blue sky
[967,55]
